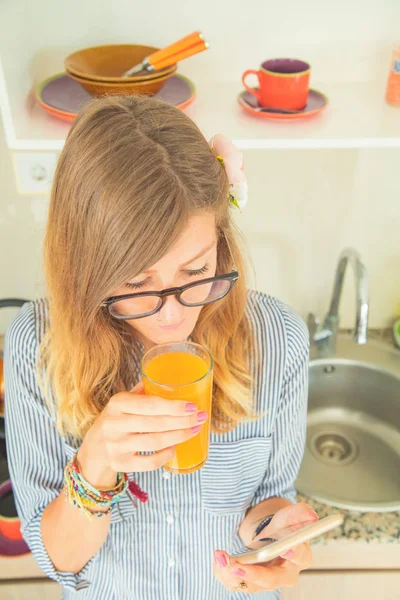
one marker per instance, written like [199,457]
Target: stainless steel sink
[352,457]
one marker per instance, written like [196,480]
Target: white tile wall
[305,206]
[22,220]
[345,41]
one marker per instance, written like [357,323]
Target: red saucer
[316,103]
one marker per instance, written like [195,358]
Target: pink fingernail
[238,572]
[220,559]
[288,554]
[196,429]
[202,416]
[191,407]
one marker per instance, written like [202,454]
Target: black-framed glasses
[144,304]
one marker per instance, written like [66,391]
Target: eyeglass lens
[203,293]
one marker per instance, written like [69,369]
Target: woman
[140,202]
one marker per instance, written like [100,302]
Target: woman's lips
[172,327]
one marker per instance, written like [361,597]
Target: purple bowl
[10,547]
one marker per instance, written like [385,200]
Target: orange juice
[182,371]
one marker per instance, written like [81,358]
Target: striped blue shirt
[163,549]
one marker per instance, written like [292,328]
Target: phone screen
[269,535]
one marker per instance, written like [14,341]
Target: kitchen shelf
[357,117]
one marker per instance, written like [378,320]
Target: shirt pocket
[232,474]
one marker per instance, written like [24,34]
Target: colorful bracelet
[90,513]
[86,497]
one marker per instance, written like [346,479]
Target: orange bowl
[102,88]
[10,528]
[107,63]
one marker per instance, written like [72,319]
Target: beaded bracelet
[85,496]
[88,512]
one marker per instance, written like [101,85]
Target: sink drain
[333,448]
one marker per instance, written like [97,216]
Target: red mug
[283,83]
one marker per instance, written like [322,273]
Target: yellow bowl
[107,63]
[100,88]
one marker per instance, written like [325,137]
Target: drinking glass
[182,371]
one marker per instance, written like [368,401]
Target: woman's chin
[167,337]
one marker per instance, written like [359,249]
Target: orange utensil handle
[186,42]
[174,58]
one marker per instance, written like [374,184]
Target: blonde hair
[132,172]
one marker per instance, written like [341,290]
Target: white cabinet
[305,206]
[350,60]
[345,585]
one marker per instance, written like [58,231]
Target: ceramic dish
[107,63]
[9,521]
[11,540]
[10,548]
[59,114]
[124,87]
[63,97]
[316,103]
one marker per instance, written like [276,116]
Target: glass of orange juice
[182,371]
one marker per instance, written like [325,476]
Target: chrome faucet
[325,337]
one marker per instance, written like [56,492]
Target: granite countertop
[370,527]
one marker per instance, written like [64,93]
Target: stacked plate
[63,97]
[99,70]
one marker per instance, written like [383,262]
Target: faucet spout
[349,255]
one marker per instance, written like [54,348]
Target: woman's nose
[172,311]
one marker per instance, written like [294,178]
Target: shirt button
[171,562]
[166,475]
[170,519]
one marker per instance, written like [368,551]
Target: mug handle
[249,89]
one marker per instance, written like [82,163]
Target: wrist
[95,472]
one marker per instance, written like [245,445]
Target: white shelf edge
[318,143]
[268,144]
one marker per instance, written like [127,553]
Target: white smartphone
[285,539]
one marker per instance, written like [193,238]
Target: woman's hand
[282,572]
[130,423]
